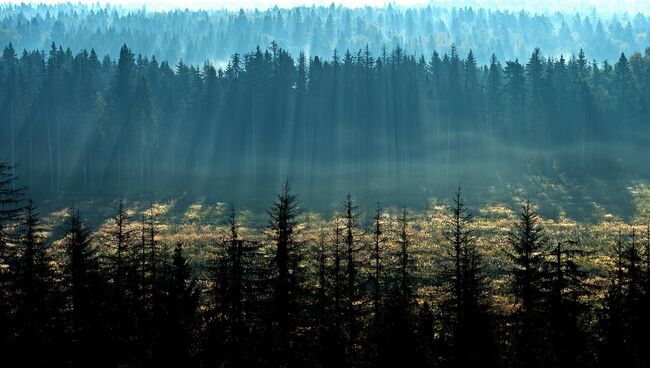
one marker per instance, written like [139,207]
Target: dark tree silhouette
[38,303]
[378,279]
[287,275]
[352,296]
[529,246]
[234,312]
[399,343]
[10,210]
[568,311]
[125,290]
[465,279]
[86,294]
[179,303]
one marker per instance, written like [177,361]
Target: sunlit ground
[200,225]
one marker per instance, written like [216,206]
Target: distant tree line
[195,35]
[120,297]
[85,123]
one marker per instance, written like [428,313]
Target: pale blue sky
[606,6]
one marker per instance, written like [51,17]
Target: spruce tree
[122,271]
[287,275]
[567,288]
[178,310]
[38,302]
[377,277]
[352,294]
[529,247]
[86,293]
[464,279]
[234,315]
[399,343]
[612,315]
[10,211]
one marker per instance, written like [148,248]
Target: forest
[324,186]
[81,123]
[393,288]
[508,96]
[508,31]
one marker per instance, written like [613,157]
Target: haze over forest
[396,100]
[504,30]
[329,186]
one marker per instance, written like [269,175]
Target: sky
[605,6]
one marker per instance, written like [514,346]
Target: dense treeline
[89,124]
[353,298]
[195,36]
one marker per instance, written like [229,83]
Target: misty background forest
[489,108]
[318,186]
[215,35]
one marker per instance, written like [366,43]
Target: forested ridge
[364,288]
[144,223]
[85,123]
[199,35]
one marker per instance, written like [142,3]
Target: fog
[398,105]
[541,6]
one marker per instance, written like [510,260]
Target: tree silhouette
[38,302]
[568,311]
[86,293]
[10,211]
[464,278]
[179,303]
[529,247]
[286,273]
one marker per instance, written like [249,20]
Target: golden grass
[200,226]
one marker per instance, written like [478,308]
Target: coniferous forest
[324,187]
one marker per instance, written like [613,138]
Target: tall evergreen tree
[86,294]
[568,312]
[399,342]
[464,279]
[125,282]
[352,295]
[286,275]
[10,211]
[529,246]
[38,302]
[234,311]
[377,259]
[178,312]
[611,319]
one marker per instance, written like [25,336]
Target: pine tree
[464,279]
[287,274]
[632,302]
[119,97]
[179,303]
[352,295]
[86,291]
[645,305]
[10,211]
[611,319]
[125,287]
[567,287]
[405,265]
[234,289]
[37,299]
[515,93]
[529,246]
[234,313]
[377,259]
[399,343]
[120,238]
[334,352]
[621,320]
